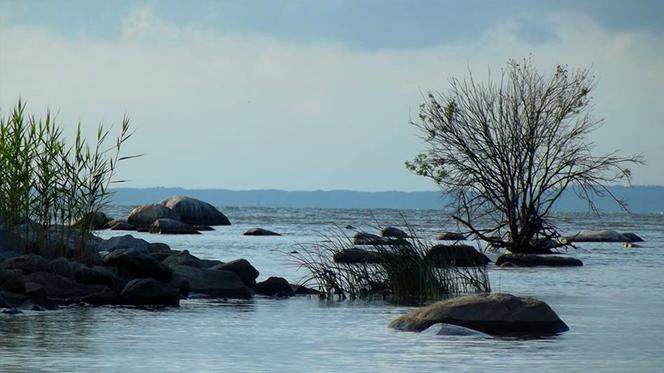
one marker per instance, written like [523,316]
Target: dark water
[614,306]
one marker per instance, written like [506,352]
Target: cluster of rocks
[131,271]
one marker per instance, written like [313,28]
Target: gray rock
[185,258]
[356,255]
[260,232]
[195,212]
[303,290]
[363,238]
[170,226]
[99,276]
[456,255]
[27,264]
[124,242]
[55,286]
[212,282]
[393,232]
[144,216]
[451,236]
[63,267]
[119,225]
[274,286]
[242,268]
[532,260]
[132,263]
[149,291]
[602,236]
[494,314]
[93,221]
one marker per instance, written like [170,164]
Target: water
[613,306]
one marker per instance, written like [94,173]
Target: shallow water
[613,306]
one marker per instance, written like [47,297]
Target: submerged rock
[260,232]
[532,260]
[144,216]
[274,286]
[363,238]
[494,314]
[195,212]
[149,291]
[170,226]
[356,255]
[393,232]
[602,236]
[456,255]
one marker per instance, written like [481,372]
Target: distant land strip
[640,198]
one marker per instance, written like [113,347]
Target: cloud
[254,111]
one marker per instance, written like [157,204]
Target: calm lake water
[614,306]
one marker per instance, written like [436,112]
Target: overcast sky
[304,95]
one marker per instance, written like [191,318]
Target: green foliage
[45,184]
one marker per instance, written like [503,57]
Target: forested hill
[641,199]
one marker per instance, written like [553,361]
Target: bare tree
[506,150]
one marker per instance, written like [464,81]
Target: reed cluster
[47,183]
[398,273]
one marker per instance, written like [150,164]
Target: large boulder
[185,258]
[170,226]
[149,291]
[99,276]
[602,236]
[93,221]
[55,286]
[129,242]
[363,238]
[212,282]
[195,212]
[242,268]
[132,263]
[494,314]
[532,260]
[393,232]
[355,255]
[274,286]
[144,216]
[260,232]
[27,264]
[63,267]
[456,255]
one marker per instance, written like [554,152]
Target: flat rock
[260,232]
[144,216]
[357,255]
[493,314]
[170,226]
[602,236]
[456,255]
[195,212]
[532,260]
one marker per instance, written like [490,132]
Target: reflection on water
[613,306]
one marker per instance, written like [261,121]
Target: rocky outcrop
[260,232]
[456,255]
[602,236]
[494,314]
[393,232]
[149,291]
[274,286]
[356,255]
[170,226]
[212,282]
[532,260]
[242,268]
[144,216]
[195,212]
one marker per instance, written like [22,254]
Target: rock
[212,282]
[93,221]
[119,225]
[63,267]
[99,276]
[202,228]
[602,236]
[274,286]
[132,263]
[456,255]
[242,268]
[61,241]
[55,286]
[494,314]
[170,226]
[393,232]
[103,296]
[144,216]
[124,242]
[27,264]
[363,238]
[303,290]
[34,289]
[260,232]
[532,260]
[355,255]
[451,236]
[195,212]
[185,258]
[8,276]
[149,291]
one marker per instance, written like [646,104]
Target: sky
[308,95]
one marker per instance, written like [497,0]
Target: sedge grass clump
[400,273]
[46,183]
